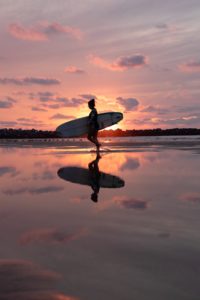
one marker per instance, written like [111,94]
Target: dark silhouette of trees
[150,132]
[23,134]
[10,133]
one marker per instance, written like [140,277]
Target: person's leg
[91,139]
[95,139]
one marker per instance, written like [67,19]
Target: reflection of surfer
[94,175]
[93,125]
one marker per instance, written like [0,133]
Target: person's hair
[91,103]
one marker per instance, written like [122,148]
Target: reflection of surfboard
[82,176]
[79,127]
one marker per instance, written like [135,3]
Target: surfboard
[79,127]
[83,176]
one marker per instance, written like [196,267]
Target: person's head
[91,103]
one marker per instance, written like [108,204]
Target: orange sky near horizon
[139,58]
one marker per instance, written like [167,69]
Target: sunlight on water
[125,226]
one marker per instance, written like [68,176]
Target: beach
[114,143]
[139,239]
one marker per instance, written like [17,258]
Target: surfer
[93,125]
[94,175]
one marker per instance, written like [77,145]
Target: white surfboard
[79,127]
[84,177]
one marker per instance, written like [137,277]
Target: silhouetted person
[93,125]
[95,176]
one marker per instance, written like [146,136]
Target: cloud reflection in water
[24,280]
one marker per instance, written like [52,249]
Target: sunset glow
[137,57]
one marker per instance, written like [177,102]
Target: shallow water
[140,240]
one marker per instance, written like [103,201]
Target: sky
[139,57]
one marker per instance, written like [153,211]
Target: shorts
[92,132]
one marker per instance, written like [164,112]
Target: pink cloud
[61,116]
[42,31]
[7,103]
[130,203]
[29,81]
[35,108]
[191,66]
[54,101]
[88,96]
[55,28]
[50,235]
[129,104]
[191,197]
[120,64]
[25,280]
[74,70]
[28,34]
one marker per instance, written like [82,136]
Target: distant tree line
[150,132]
[9,133]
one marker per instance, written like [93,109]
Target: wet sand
[140,240]
[112,143]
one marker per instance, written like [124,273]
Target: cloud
[46,189]
[129,104]
[74,70]
[192,66]
[25,280]
[4,170]
[61,116]
[33,191]
[8,123]
[45,175]
[50,235]
[164,235]
[162,26]
[88,96]
[28,34]
[29,81]
[60,102]
[186,109]
[130,164]
[184,120]
[166,27]
[28,122]
[134,204]
[22,122]
[130,203]
[35,108]
[187,120]
[7,103]
[191,197]
[42,31]
[43,96]
[121,64]
[155,109]
[56,28]
[53,101]
[15,191]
